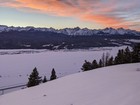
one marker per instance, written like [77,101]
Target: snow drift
[113,85]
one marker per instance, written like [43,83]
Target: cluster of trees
[35,79]
[123,56]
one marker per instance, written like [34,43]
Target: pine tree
[110,61]
[44,79]
[103,59]
[106,59]
[100,63]
[136,53]
[87,66]
[34,78]
[127,56]
[94,64]
[119,59]
[53,75]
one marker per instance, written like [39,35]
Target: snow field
[112,85]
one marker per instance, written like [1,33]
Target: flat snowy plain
[16,65]
[112,85]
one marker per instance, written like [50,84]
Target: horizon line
[68,27]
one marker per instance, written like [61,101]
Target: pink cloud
[104,13]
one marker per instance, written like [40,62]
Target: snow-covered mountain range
[73,31]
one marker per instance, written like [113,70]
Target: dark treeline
[123,56]
[35,79]
[48,40]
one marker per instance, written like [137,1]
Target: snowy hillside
[114,85]
[16,65]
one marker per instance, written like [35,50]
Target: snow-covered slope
[73,31]
[114,85]
[16,65]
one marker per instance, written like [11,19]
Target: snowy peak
[73,31]
[109,31]
[3,28]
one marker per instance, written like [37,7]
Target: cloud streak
[109,13]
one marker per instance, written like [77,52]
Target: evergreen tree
[34,78]
[53,75]
[103,60]
[106,59]
[100,63]
[110,61]
[127,56]
[119,59]
[94,64]
[87,66]
[136,53]
[44,79]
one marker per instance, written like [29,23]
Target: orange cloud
[54,7]
[89,10]
[105,20]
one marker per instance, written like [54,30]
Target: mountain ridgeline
[68,38]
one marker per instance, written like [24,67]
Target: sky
[93,14]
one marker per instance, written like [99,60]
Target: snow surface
[113,85]
[16,65]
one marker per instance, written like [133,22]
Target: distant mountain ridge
[72,31]
[67,38]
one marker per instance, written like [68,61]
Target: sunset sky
[93,14]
